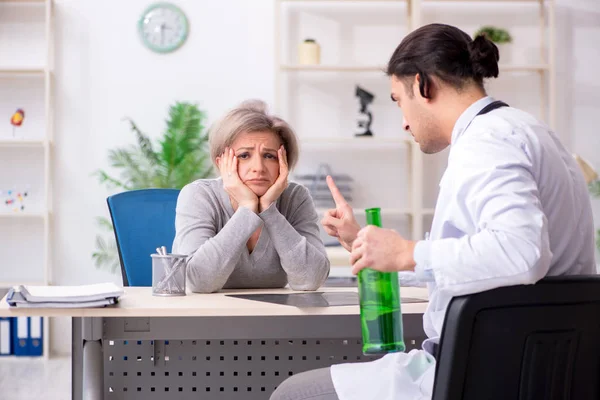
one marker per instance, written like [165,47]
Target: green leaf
[111,182]
[183,144]
[594,188]
[106,255]
[130,162]
[104,223]
[496,35]
[144,143]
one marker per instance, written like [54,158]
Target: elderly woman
[250,228]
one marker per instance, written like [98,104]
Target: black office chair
[525,342]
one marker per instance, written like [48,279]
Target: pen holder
[168,274]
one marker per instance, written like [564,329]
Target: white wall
[103,73]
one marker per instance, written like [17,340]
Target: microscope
[365,118]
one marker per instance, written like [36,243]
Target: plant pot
[505,50]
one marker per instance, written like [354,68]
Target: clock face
[163,27]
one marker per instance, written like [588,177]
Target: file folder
[20,336]
[79,296]
[28,336]
[6,336]
[35,336]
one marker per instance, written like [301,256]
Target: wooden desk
[209,346]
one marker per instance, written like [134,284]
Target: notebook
[94,295]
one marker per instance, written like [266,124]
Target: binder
[20,336]
[35,336]
[28,336]
[80,296]
[6,341]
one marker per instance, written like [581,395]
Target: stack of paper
[318,189]
[96,295]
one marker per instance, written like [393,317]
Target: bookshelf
[26,77]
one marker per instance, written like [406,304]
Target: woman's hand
[233,185]
[280,184]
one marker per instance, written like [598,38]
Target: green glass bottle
[380,313]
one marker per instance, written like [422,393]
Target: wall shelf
[524,68]
[333,68]
[23,214]
[22,143]
[22,70]
[361,143]
[384,211]
[23,2]
[343,1]
[381,68]
[483,1]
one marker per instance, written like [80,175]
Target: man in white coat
[513,208]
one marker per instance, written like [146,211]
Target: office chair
[523,342]
[143,220]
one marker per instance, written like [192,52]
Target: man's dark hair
[446,52]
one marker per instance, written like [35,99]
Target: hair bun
[254,105]
[484,57]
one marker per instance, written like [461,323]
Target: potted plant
[591,178]
[180,156]
[501,37]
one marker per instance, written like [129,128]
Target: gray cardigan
[289,249]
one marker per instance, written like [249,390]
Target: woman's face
[258,164]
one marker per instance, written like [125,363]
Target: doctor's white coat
[513,207]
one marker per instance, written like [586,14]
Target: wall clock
[163,27]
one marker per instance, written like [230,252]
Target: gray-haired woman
[250,228]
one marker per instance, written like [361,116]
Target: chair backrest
[143,220]
[528,342]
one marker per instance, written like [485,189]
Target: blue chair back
[143,220]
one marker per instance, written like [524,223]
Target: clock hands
[163,28]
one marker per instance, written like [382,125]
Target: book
[94,295]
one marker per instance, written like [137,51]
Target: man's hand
[340,222]
[280,184]
[233,185]
[382,250]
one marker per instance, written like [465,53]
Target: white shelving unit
[22,142]
[27,76]
[412,12]
[378,68]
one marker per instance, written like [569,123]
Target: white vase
[309,52]
[505,50]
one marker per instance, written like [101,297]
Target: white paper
[36,327]
[22,331]
[4,337]
[86,304]
[97,289]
